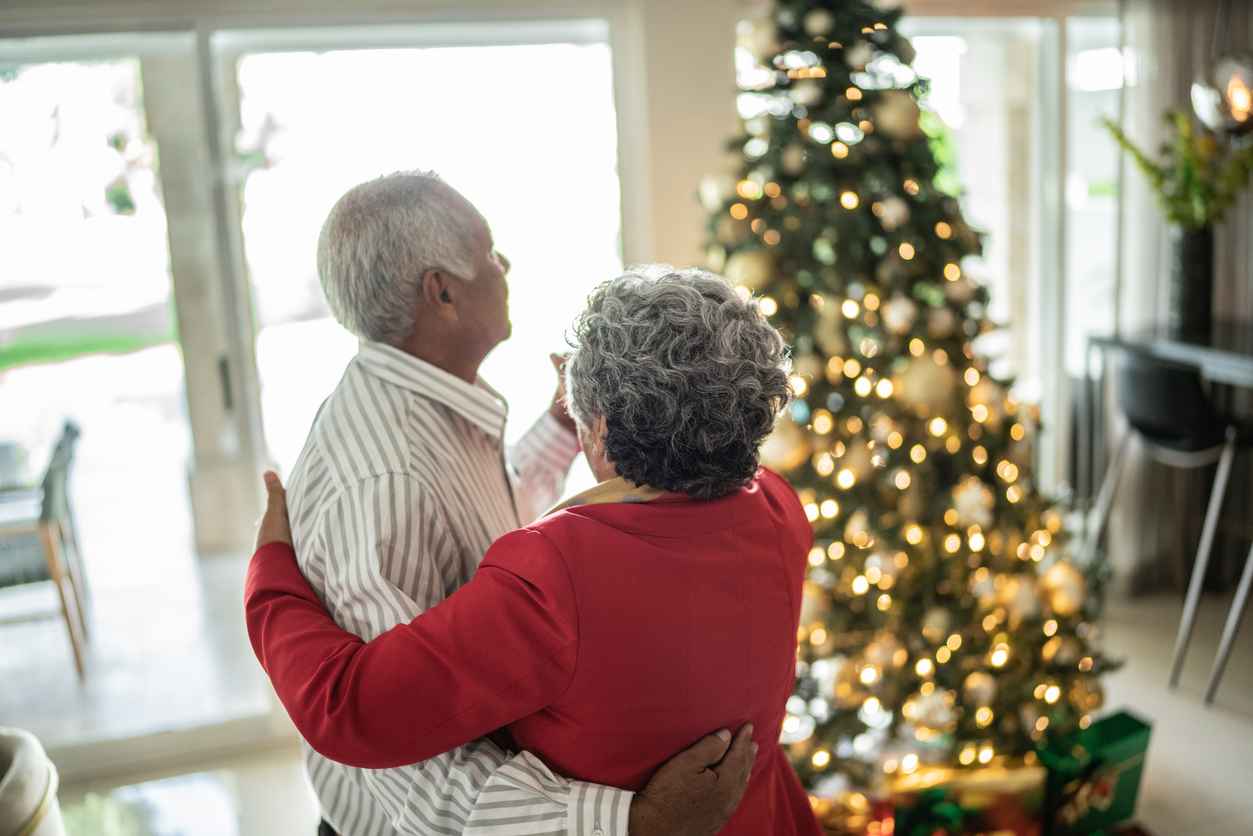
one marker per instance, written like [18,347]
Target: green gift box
[1094,775]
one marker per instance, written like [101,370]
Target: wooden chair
[38,542]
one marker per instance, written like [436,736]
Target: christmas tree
[941,621]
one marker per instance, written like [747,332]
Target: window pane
[985,82]
[545,177]
[86,323]
[1094,77]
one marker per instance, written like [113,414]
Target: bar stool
[1170,413]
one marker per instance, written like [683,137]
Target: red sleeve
[501,648]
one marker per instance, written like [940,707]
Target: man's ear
[438,292]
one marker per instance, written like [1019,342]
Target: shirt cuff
[597,810]
[553,443]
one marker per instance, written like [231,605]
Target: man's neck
[445,355]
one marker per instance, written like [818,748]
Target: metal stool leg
[1105,498]
[1202,558]
[1230,629]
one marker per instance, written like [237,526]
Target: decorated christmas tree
[942,623]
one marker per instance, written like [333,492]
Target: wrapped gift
[1094,775]
[1001,799]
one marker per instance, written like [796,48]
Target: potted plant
[1196,180]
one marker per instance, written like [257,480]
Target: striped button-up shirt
[401,487]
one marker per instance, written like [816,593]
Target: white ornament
[934,710]
[858,55]
[893,212]
[973,500]
[819,22]
[751,268]
[806,92]
[899,314]
[896,115]
[763,41]
[715,190]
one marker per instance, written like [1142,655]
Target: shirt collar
[612,490]
[478,403]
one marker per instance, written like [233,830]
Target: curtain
[1154,532]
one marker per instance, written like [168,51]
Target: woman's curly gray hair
[688,376]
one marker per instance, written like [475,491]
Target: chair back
[1167,401]
[56,496]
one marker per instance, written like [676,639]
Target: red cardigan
[607,637]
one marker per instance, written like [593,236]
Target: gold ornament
[1086,694]
[806,92]
[858,459]
[1019,597]
[979,688]
[935,624]
[808,366]
[886,651]
[818,22]
[960,291]
[751,268]
[858,55]
[941,323]
[1065,588]
[829,330]
[857,529]
[793,159]
[1061,650]
[787,448]
[896,115]
[973,500]
[926,387]
[815,604]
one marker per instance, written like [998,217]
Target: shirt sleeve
[542,459]
[382,548]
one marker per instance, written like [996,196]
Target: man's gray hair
[378,241]
[688,375]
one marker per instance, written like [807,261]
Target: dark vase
[1191,312]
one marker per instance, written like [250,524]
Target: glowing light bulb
[861,585]
[821,758]
[913,534]
[845,479]
[829,508]
[906,250]
[739,211]
[817,556]
[850,309]
[952,271]
[901,480]
[924,667]
[943,230]
[849,200]
[983,717]
[918,454]
[824,422]
[799,385]
[767,306]
[986,753]
[883,388]
[869,675]
[839,150]
[937,426]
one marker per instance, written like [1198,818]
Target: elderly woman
[627,621]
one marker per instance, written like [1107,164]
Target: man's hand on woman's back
[696,792]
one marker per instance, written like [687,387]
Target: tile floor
[1197,781]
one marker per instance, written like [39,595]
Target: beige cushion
[28,787]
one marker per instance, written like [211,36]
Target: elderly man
[403,484]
